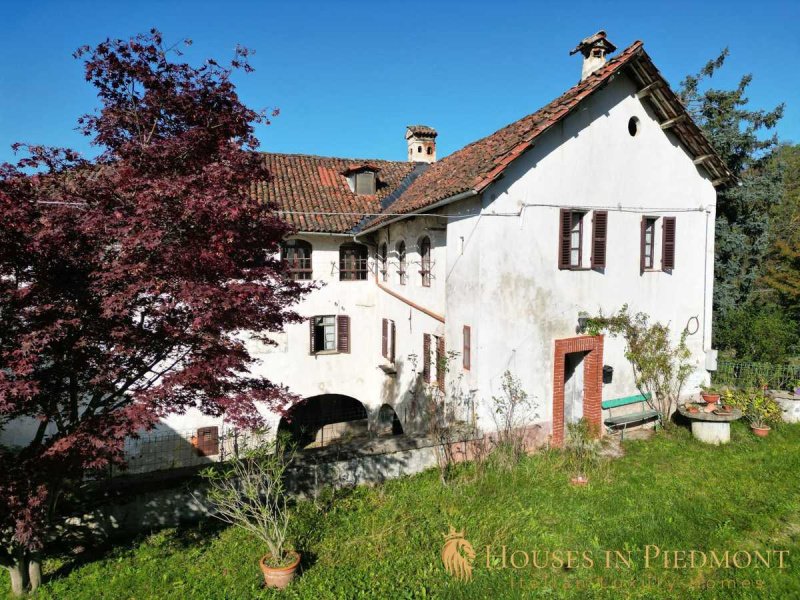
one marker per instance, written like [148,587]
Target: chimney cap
[598,40]
[420,131]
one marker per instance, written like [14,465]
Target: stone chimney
[594,49]
[421,143]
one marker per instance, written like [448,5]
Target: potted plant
[710,394]
[248,491]
[761,412]
[582,451]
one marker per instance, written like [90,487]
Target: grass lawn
[385,542]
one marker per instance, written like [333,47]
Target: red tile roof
[303,186]
[475,166]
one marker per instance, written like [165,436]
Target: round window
[633,125]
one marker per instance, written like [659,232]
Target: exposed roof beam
[701,159]
[671,122]
[719,181]
[648,89]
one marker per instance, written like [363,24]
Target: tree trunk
[18,572]
[35,572]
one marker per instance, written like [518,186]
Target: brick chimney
[421,143]
[594,49]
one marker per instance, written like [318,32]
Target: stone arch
[387,422]
[323,419]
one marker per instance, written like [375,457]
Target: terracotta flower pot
[579,480]
[710,398]
[279,577]
[760,431]
[693,410]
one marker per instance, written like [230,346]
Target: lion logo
[457,555]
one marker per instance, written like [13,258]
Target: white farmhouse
[604,197]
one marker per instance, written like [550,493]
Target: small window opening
[430,150]
[633,126]
[419,148]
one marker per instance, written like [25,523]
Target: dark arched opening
[388,422]
[320,420]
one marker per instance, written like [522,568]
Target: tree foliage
[742,138]
[126,281]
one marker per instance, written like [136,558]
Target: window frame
[383,251]
[425,260]
[373,183]
[353,262]
[467,347]
[319,321]
[402,261]
[648,226]
[299,268]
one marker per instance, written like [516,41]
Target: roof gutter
[435,205]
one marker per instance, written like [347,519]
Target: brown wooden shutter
[440,363]
[384,339]
[426,357]
[642,243]
[467,352]
[599,235]
[311,348]
[564,235]
[343,333]
[207,441]
[392,346]
[668,244]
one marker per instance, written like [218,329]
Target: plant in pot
[582,449]
[249,492]
[762,411]
[710,394]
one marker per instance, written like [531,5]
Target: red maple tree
[125,281]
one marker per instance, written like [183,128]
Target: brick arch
[592,381]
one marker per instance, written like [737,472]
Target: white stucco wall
[506,283]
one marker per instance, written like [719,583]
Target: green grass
[385,542]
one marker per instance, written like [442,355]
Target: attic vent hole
[633,126]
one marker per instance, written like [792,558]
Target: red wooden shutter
[642,243]
[564,235]
[384,339]
[343,333]
[311,348]
[207,441]
[440,363]
[467,352]
[599,234]
[426,357]
[668,244]
[392,345]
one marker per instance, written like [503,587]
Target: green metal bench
[646,414]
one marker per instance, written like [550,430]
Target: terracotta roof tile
[303,186]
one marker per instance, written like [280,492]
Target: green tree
[742,138]
[783,264]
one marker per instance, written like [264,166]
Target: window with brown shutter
[207,441]
[648,243]
[385,338]
[564,236]
[668,244]
[570,248]
[343,333]
[392,332]
[426,357]
[441,363]
[467,351]
[599,235]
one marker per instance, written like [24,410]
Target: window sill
[325,352]
[388,368]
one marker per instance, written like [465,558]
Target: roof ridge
[320,156]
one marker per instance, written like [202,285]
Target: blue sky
[348,76]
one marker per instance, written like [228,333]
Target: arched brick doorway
[577,383]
